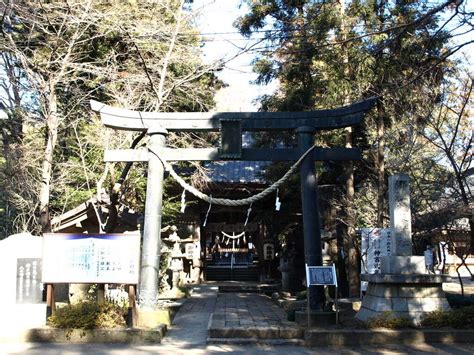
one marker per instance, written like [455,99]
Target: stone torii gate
[231,125]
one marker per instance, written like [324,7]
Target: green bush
[88,315]
[301,295]
[389,320]
[455,318]
[457,301]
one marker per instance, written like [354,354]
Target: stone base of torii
[403,288]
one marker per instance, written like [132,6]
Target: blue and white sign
[321,275]
[91,258]
[375,243]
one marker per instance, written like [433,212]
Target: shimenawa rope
[225,201]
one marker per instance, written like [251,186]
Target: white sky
[217,17]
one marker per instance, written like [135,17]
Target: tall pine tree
[328,54]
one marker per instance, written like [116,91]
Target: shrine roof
[237,172]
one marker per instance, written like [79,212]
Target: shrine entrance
[231,252]
[230,125]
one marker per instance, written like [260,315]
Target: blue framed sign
[91,258]
[321,275]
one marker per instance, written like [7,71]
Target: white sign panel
[376,242]
[91,258]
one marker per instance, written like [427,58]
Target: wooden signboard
[91,258]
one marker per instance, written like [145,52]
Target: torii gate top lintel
[119,118]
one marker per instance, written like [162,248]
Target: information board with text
[91,258]
[321,275]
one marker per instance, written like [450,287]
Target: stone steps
[253,341]
[217,273]
[249,288]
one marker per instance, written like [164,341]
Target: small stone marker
[28,281]
[22,291]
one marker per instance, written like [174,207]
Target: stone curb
[321,337]
[119,336]
[215,330]
[253,341]
[259,333]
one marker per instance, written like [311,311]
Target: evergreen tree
[328,54]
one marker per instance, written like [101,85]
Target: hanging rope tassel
[248,214]
[207,213]
[277,202]
[183,201]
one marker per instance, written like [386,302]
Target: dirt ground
[455,286]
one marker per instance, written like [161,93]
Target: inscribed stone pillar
[401,287]
[401,260]
[400,218]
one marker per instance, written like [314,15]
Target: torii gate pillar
[150,264]
[311,220]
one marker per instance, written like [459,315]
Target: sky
[217,17]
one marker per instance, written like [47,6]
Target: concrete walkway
[189,327]
[190,330]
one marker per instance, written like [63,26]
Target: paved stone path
[241,316]
[247,309]
[250,316]
[213,316]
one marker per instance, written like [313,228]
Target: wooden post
[100,293]
[132,307]
[50,303]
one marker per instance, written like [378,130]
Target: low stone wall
[55,335]
[341,337]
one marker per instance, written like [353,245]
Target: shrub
[457,301]
[389,320]
[301,295]
[455,318]
[88,315]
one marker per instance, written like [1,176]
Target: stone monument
[402,287]
[22,299]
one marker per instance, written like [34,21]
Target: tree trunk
[471,226]
[349,228]
[380,164]
[52,122]
[349,242]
